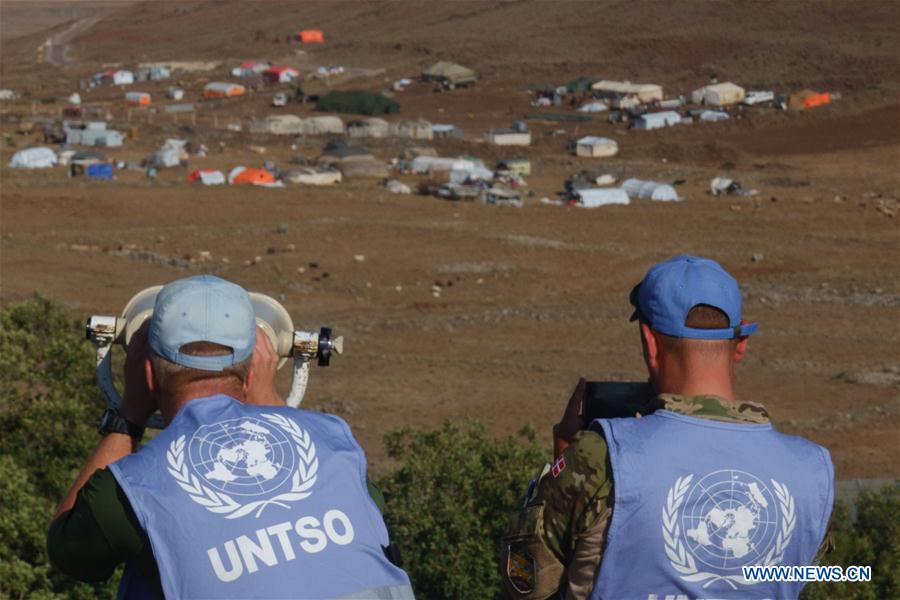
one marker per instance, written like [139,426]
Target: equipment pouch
[529,568]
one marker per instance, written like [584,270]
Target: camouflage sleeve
[556,540]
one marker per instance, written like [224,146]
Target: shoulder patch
[559,466]
[520,569]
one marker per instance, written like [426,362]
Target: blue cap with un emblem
[672,288]
[203,309]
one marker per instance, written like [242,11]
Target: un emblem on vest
[717,524]
[242,466]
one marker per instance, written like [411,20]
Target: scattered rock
[282,229]
[757,258]
[359,258]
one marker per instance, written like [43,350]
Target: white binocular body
[289,343]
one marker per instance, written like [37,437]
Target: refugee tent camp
[445,130]
[117,77]
[656,120]
[99,170]
[593,198]
[137,99]
[507,137]
[279,74]
[649,190]
[278,125]
[645,92]
[521,166]
[243,175]
[207,177]
[92,134]
[323,125]
[419,129]
[371,127]
[310,176]
[219,89]
[596,147]
[449,73]
[431,164]
[33,158]
[808,99]
[357,102]
[719,94]
[249,68]
[311,36]
[714,116]
[582,84]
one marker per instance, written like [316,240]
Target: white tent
[596,147]
[645,92]
[714,115]
[428,164]
[592,107]
[33,158]
[657,120]
[122,77]
[649,190]
[720,94]
[475,174]
[593,198]
[323,125]
[371,127]
[278,125]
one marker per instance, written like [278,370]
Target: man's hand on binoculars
[138,404]
[572,421]
[265,362]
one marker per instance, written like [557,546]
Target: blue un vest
[245,501]
[697,499]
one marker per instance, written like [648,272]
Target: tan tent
[371,127]
[450,73]
[720,94]
[416,130]
[645,92]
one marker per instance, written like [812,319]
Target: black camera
[618,399]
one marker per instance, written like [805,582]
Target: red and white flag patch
[559,466]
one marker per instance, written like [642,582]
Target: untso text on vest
[696,500]
[259,501]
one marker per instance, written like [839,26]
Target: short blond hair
[170,376]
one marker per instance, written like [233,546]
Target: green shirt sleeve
[100,533]
[577,495]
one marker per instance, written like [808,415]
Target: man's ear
[248,381]
[150,377]
[741,348]
[651,347]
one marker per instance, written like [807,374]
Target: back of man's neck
[191,392]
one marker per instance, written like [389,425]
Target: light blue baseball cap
[203,308]
[672,288]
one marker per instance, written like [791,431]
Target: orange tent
[254,177]
[808,99]
[218,89]
[137,99]
[312,36]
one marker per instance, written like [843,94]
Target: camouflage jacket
[556,542]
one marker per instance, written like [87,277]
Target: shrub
[49,409]
[871,538]
[449,502]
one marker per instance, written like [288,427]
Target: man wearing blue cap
[676,502]
[239,496]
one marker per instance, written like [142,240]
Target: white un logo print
[724,521]
[234,467]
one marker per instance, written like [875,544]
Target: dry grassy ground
[532,298]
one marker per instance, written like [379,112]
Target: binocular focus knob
[327,345]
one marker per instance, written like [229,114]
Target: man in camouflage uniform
[556,545]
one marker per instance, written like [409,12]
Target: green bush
[49,409]
[871,538]
[449,502]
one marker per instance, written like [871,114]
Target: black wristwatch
[113,422]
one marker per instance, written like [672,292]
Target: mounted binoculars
[289,343]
